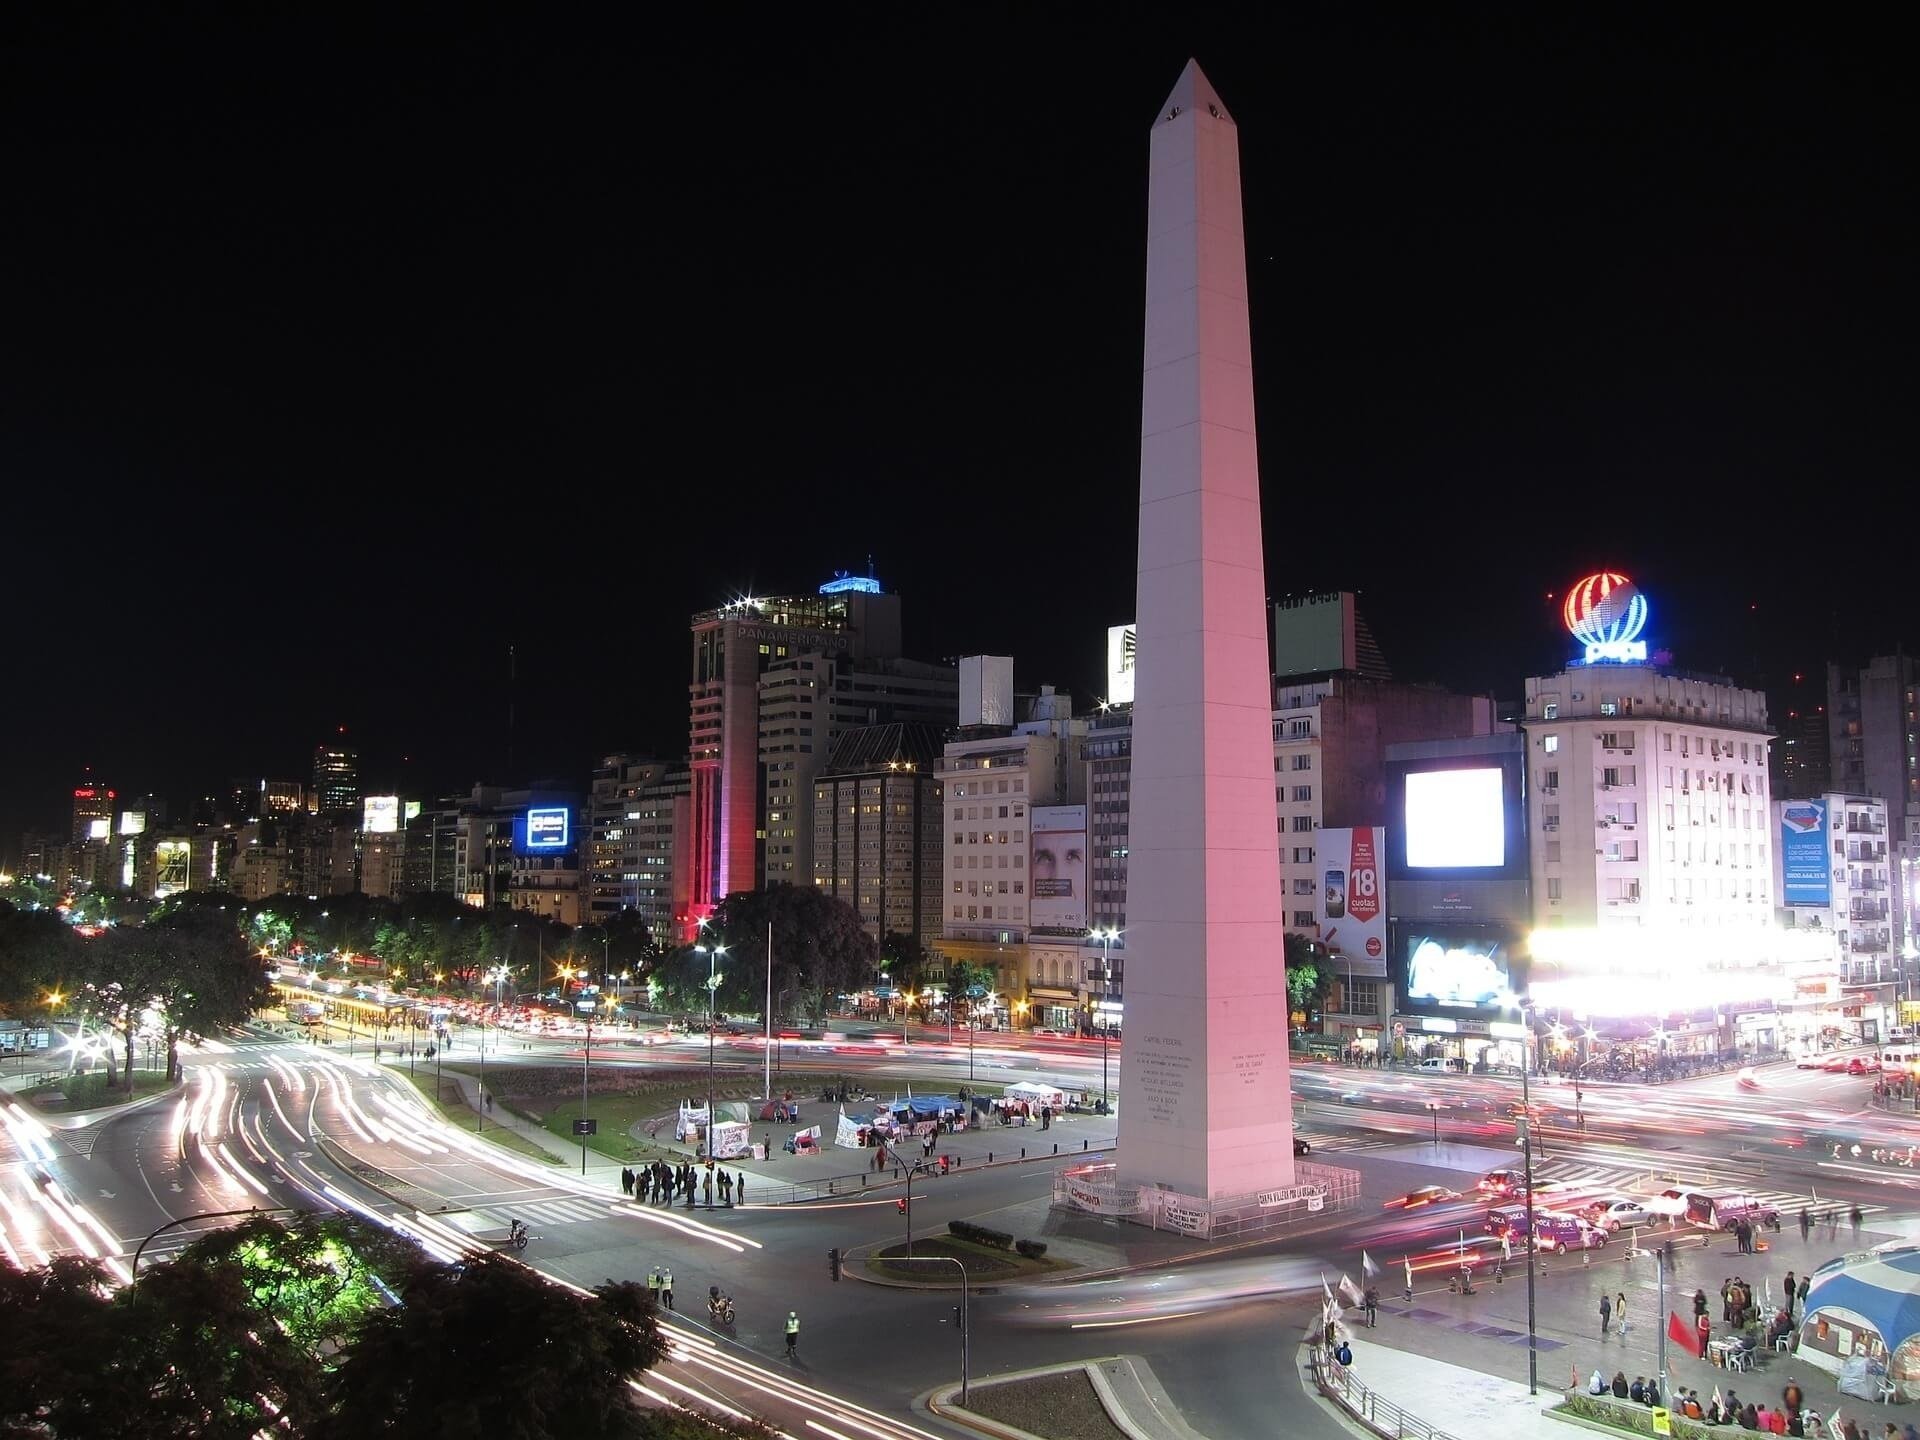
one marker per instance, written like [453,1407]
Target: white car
[1667,1204]
[1614,1216]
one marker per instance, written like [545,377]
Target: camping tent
[1867,1303]
[1034,1094]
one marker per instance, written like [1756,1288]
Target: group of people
[1642,1391]
[1790,1417]
[664,1183]
[1809,1221]
[1613,1312]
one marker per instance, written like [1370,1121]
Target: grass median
[94,1089]
[455,1111]
[981,1261]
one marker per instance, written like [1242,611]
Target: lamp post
[1526,1156]
[713,954]
[1106,937]
[966,1321]
[586,1059]
[906,1015]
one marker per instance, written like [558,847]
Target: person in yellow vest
[666,1287]
[793,1333]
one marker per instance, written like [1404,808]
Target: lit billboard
[1453,969]
[1456,817]
[1057,868]
[1121,641]
[1806,870]
[380,814]
[411,809]
[171,867]
[1313,633]
[133,822]
[547,829]
[1351,897]
[101,829]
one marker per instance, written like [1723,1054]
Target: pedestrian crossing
[564,1210]
[1635,1181]
[1330,1142]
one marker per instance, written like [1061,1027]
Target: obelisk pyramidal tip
[1206,1111]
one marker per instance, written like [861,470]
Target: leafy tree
[38,952]
[190,964]
[905,959]
[58,1324]
[820,949]
[490,1349]
[1309,973]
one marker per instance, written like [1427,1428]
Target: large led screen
[1453,968]
[1456,819]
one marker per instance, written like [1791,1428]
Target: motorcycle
[720,1309]
[517,1238]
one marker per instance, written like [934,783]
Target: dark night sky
[335,359]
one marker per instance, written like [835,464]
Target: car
[1425,1195]
[1862,1065]
[1444,1065]
[1611,1215]
[1561,1232]
[1668,1204]
[1502,1182]
[1810,1061]
[1834,1064]
[1301,1147]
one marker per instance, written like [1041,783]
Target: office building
[732,647]
[1323,634]
[336,781]
[877,828]
[807,702]
[1873,733]
[93,813]
[640,845]
[430,860]
[262,861]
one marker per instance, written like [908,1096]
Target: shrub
[980,1234]
[1032,1249]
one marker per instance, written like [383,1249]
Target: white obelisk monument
[1205,1107]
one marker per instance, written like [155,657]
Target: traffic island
[1116,1397]
[928,1263]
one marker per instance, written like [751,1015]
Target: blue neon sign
[549,829]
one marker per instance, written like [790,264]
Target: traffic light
[833,1261]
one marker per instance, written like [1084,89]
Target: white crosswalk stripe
[1620,1177]
[545,1212]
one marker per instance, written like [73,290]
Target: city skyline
[1474,375]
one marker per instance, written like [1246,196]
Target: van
[1724,1211]
[1507,1220]
[1561,1233]
[1444,1065]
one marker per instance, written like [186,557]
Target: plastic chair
[1783,1343]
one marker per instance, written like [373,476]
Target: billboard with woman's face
[1057,868]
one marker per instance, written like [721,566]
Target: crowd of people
[666,1183]
[1790,1417]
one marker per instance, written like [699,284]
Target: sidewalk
[1464,1403]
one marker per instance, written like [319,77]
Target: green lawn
[454,1110]
[617,1115]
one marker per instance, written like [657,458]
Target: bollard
[1056,1147]
[1023,1152]
[1083,1147]
[989,1157]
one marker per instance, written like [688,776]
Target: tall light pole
[1524,1006]
[1106,937]
[713,954]
[906,1015]
[586,1059]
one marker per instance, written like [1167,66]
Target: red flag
[1683,1335]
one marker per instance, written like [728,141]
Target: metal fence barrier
[1379,1415]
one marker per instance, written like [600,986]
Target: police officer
[666,1287]
[653,1285]
[793,1333]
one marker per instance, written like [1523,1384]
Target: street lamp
[1511,1001]
[713,954]
[906,1015]
[586,1060]
[1106,938]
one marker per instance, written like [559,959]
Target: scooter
[720,1309]
[516,1238]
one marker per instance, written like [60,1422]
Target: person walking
[653,1285]
[1726,1301]
[1806,1224]
[666,1287]
[793,1334]
[1620,1311]
[740,1186]
[1606,1314]
[1372,1306]
[708,1184]
[1854,1218]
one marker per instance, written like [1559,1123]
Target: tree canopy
[820,950]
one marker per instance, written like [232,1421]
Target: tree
[38,952]
[489,1348]
[905,959]
[1309,973]
[820,949]
[58,1323]
[189,964]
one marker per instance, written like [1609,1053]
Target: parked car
[1445,1065]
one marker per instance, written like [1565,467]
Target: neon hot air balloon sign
[1606,613]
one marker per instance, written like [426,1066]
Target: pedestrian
[1854,1218]
[793,1333]
[643,1185]
[653,1285]
[1792,1289]
[626,1181]
[1726,1301]
[487,1097]
[1806,1224]
[666,1287]
[1345,1354]
[740,1186]
[709,1189]
[1620,1311]
[690,1194]
[1699,1302]
[1606,1314]
[1805,1281]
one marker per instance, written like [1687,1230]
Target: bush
[1032,1249]
[980,1234]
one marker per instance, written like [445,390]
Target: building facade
[807,702]
[640,845]
[1873,736]
[1835,871]
[732,647]
[878,825]
[336,781]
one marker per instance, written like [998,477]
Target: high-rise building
[640,844]
[336,780]
[431,856]
[93,806]
[1801,767]
[279,797]
[877,826]
[807,702]
[1873,730]
[732,647]
[1324,634]
[1834,871]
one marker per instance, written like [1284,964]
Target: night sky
[335,360]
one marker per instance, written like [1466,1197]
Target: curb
[941,1401]
[354,1165]
[80,1119]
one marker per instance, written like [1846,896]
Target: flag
[1836,1427]
[1409,1273]
[1367,1268]
[1717,1402]
[1349,1291]
[1683,1335]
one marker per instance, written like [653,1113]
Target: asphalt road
[269,1122]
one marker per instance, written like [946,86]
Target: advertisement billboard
[170,867]
[101,829]
[380,814]
[1352,897]
[1453,969]
[1806,870]
[133,822]
[1120,651]
[1456,819]
[1313,633]
[1057,868]
[547,829]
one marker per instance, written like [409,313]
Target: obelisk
[1206,1109]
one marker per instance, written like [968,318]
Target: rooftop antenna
[512,684]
